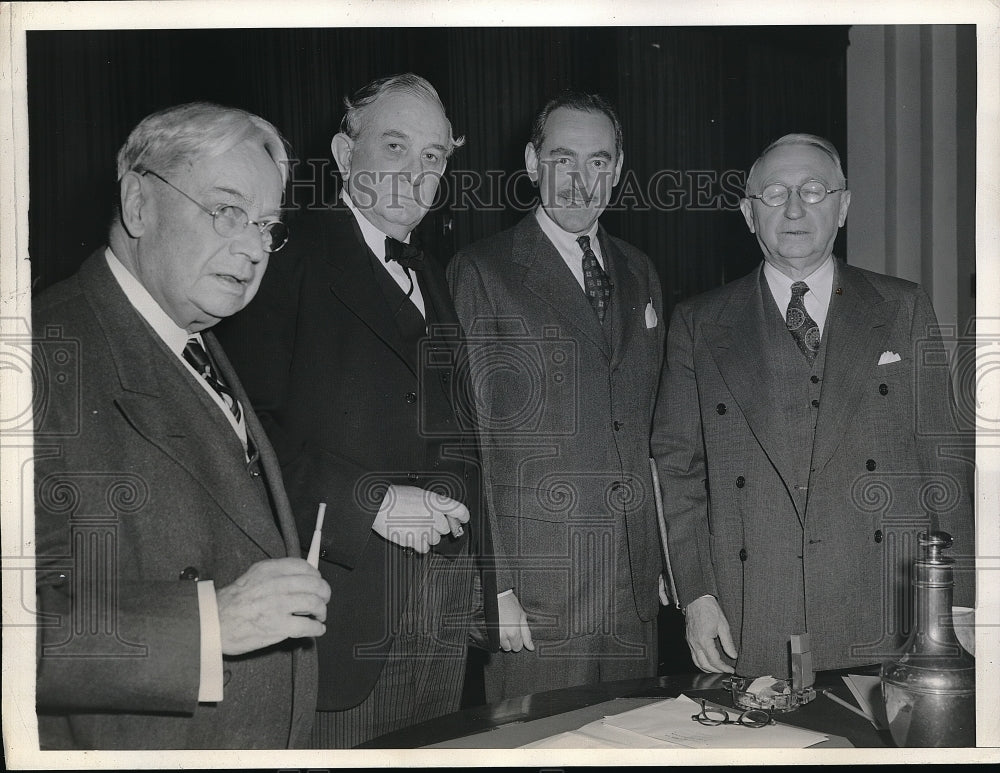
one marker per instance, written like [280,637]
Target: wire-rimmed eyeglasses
[230,220]
[712,717]
[776,194]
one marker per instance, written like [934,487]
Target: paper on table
[867,691]
[598,735]
[670,721]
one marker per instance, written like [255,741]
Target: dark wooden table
[821,715]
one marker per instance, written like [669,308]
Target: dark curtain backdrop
[697,105]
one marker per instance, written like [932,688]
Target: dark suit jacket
[350,409]
[138,477]
[882,467]
[565,420]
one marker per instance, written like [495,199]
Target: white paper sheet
[668,724]
[867,691]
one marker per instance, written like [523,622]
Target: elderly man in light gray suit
[804,438]
[565,354]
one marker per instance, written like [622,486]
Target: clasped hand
[416,518]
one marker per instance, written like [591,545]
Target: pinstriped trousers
[423,673]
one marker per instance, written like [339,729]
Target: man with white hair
[175,609]
[349,353]
[804,437]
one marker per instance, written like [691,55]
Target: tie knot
[196,356]
[584,242]
[406,255]
[799,289]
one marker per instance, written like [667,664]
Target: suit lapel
[161,400]
[352,281]
[738,343]
[548,277]
[625,297]
[856,329]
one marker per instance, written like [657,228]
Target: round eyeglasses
[229,220]
[713,717]
[776,194]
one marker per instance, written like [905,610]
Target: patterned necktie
[197,358]
[595,280]
[803,328]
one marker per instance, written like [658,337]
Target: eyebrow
[570,152]
[396,134]
[244,200]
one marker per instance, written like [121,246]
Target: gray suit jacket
[832,560]
[139,478]
[565,409]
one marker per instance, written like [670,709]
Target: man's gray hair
[406,83]
[165,141]
[798,139]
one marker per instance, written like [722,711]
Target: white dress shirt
[375,240]
[817,300]
[210,686]
[566,244]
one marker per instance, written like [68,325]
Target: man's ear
[341,146]
[531,162]
[746,207]
[845,202]
[133,203]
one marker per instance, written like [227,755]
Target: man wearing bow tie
[565,348]
[348,353]
[805,436]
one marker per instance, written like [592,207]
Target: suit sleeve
[944,447]
[477,317]
[261,343]
[678,448]
[107,640]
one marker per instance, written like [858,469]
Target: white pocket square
[888,357]
[650,315]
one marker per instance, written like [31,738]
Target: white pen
[313,559]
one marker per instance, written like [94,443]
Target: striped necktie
[198,359]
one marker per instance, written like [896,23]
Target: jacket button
[189,573]
[883,389]
[741,482]
[323,553]
[617,425]
[255,473]
[814,379]
[720,408]
[878,535]
[411,397]
[59,581]
[815,403]
[870,465]
[743,554]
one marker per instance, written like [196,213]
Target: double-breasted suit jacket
[351,408]
[141,485]
[565,406]
[795,496]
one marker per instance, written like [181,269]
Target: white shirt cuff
[210,687]
[505,593]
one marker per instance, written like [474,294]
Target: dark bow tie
[406,255]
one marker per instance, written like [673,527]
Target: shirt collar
[173,336]
[820,281]
[564,241]
[373,237]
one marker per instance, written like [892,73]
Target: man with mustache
[565,354]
